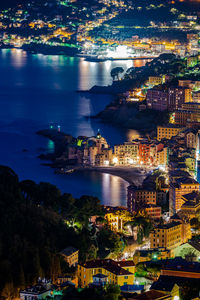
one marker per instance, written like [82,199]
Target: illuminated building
[177,96]
[181,117]
[120,273]
[131,149]
[37,292]
[93,150]
[196,96]
[161,98]
[167,132]
[153,294]
[179,187]
[162,157]
[155,80]
[157,99]
[70,255]
[154,212]
[104,158]
[191,106]
[117,217]
[191,206]
[192,139]
[137,197]
[167,236]
[179,267]
[150,255]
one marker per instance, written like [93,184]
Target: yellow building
[70,255]
[129,150]
[178,188]
[120,273]
[162,157]
[150,255]
[167,132]
[155,80]
[167,236]
[138,196]
[191,206]
[117,217]
[104,158]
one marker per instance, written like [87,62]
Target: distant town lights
[120,52]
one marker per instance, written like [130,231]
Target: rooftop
[150,295]
[180,264]
[36,290]
[68,251]
[110,265]
[166,283]
[192,199]
[168,225]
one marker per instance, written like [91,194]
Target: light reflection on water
[36,90]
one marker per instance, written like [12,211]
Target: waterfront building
[161,98]
[167,132]
[117,272]
[93,150]
[129,150]
[71,256]
[104,158]
[180,186]
[145,152]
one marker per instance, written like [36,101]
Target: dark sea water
[37,90]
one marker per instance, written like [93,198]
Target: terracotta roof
[151,295]
[179,264]
[192,199]
[126,263]
[195,245]
[68,251]
[109,265]
[166,283]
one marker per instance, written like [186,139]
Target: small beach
[133,175]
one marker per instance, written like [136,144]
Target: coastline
[132,175]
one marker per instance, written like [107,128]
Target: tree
[143,225]
[115,72]
[8,291]
[112,292]
[107,239]
[188,254]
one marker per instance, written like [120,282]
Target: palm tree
[143,225]
[115,72]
